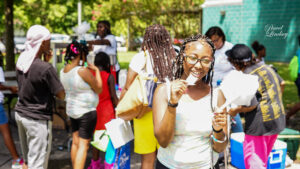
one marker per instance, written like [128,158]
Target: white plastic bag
[239,88]
[119,131]
[100,140]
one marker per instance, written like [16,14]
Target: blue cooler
[276,157]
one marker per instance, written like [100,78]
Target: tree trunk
[128,34]
[9,35]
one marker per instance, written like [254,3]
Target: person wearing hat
[38,84]
[267,120]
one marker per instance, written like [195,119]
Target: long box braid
[158,42]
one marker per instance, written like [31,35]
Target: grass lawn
[125,58]
[290,95]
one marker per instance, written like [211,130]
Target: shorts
[144,139]
[85,125]
[3,118]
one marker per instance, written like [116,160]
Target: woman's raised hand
[178,88]
[92,66]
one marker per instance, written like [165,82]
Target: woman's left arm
[282,85]
[220,138]
[219,125]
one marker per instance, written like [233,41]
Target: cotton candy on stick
[81,29]
[238,88]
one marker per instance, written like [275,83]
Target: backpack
[293,67]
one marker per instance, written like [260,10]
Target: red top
[105,108]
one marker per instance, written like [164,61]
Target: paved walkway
[60,156]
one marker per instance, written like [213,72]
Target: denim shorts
[3,118]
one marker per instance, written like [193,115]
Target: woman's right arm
[87,76]
[131,74]
[164,116]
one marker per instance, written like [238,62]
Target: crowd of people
[185,127]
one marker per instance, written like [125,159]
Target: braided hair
[74,49]
[178,65]
[158,42]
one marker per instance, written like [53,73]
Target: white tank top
[80,97]
[190,147]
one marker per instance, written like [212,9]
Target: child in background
[260,51]
[108,100]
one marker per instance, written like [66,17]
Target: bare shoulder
[83,72]
[161,90]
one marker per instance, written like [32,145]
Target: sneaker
[95,164]
[17,164]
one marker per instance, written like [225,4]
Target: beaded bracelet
[218,141]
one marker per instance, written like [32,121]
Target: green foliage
[180,17]
[290,96]
[57,17]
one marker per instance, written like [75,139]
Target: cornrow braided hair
[178,64]
[74,49]
[158,42]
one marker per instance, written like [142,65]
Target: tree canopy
[181,18]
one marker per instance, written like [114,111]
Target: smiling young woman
[185,120]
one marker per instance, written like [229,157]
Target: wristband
[172,105]
[218,141]
[217,131]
